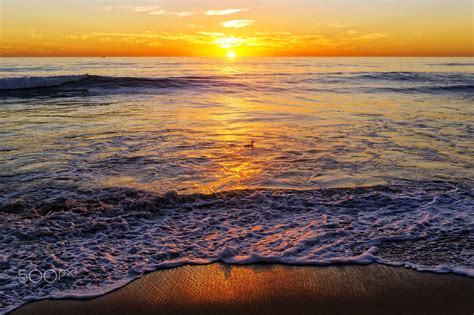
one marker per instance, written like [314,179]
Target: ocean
[112,167]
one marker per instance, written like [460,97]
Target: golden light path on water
[312,123]
[297,138]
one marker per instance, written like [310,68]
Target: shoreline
[275,288]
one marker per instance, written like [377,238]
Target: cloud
[76,37]
[224,12]
[371,36]
[178,14]
[130,9]
[195,26]
[35,34]
[340,25]
[283,40]
[158,12]
[272,33]
[184,13]
[152,10]
[352,32]
[145,9]
[228,42]
[220,39]
[146,38]
[237,23]
[214,34]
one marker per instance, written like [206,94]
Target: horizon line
[223,57]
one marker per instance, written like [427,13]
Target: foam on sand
[107,238]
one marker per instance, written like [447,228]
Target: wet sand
[277,289]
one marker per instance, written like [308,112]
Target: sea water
[111,167]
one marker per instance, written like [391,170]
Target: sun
[231,54]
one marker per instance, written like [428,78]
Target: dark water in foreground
[112,167]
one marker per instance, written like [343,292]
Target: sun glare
[231,54]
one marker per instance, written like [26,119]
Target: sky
[245,28]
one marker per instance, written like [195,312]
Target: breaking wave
[95,81]
[336,82]
[38,82]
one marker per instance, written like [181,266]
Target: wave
[398,76]
[38,82]
[95,81]
[87,80]
[462,89]
[453,64]
[93,85]
[332,82]
[112,236]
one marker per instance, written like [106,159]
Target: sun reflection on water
[192,139]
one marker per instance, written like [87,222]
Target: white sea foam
[110,237]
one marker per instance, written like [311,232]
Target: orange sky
[248,28]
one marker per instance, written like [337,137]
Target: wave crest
[38,82]
[109,82]
[80,85]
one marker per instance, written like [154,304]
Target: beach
[277,289]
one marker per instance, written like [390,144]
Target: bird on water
[249,145]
